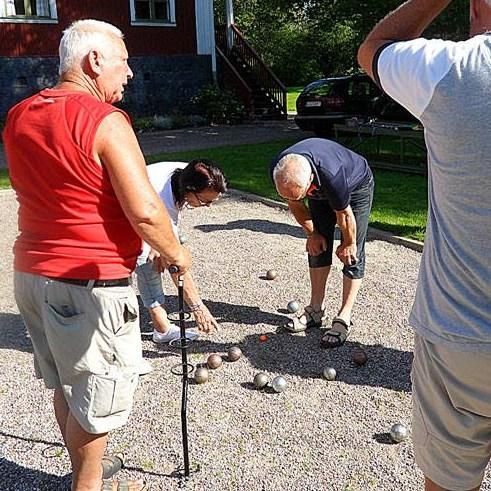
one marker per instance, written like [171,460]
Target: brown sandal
[341,336]
[313,318]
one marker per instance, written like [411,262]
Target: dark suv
[327,101]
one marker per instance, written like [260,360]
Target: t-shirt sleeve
[409,71]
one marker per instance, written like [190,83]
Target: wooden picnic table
[358,133]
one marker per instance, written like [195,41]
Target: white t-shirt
[160,175]
[447,85]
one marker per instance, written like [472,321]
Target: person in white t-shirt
[179,185]
[446,85]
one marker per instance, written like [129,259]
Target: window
[28,10]
[152,12]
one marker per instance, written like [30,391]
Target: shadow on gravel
[300,355]
[13,334]
[15,476]
[265,226]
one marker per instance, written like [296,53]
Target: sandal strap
[296,325]
[338,320]
[314,315]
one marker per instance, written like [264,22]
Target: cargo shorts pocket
[112,394]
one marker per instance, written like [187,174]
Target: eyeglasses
[309,191]
[205,203]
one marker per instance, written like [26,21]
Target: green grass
[400,203]
[291,98]
[246,166]
[400,200]
[4,179]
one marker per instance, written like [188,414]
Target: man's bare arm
[116,147]
[302,215]
[346,251]
[406,22]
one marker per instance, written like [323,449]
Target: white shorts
[86,341]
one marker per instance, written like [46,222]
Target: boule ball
[279,384]
[293,307]
[214,361]
[359,357]
[271,274]
[201,375]
[329,373]
[398,433]
[261,380]
[183,238]
[234,353]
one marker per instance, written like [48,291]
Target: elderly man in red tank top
[85,204]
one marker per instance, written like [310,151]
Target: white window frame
[157,23]
[29,20]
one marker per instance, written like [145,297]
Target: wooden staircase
[244,72]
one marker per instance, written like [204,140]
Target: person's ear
[93,60]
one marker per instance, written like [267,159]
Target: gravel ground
[316,435]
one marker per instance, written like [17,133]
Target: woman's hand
[205,320]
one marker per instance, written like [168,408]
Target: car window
[360,88]
[321,89]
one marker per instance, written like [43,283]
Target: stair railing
[268,81]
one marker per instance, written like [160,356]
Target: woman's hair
[81,37]
[197,176]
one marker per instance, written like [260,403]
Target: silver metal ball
[398,433]
[278,384]
[183,238]
[293,307]
[271,274]
[261,380]
[234,353]
[329,373]
[201,375]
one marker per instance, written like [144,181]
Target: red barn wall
[17,39]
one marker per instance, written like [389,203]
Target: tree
[303,40]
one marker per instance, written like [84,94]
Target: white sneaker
[173,333]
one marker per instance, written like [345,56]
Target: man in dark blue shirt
[338,187]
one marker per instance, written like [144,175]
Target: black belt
[96,283]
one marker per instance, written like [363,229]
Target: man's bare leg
[318,280]
[61,410]
[431,486]
[351,288]
[86,451]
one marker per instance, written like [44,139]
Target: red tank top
[70,222]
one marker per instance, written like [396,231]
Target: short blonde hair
[82,36]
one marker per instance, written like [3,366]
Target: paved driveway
[212,136]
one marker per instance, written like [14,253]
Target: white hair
[293,169]
[81,37]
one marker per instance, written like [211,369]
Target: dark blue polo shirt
[337,170]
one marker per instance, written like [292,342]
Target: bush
[219,106]
[171,122]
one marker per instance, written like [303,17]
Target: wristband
[195,306]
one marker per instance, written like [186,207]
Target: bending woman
[179,185]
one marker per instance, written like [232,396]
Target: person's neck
[79,82]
